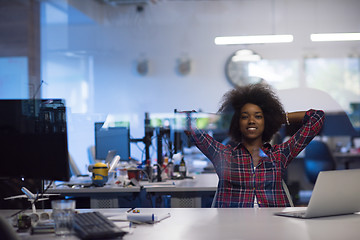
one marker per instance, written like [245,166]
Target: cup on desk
[63,215]
[134,173]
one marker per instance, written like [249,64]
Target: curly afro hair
[259,94]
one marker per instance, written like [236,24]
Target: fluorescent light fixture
[327,37]
[253,39]
[245,55]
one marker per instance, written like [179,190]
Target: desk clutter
[218,223]
[136,216]
[194,191]
[86,224]
[133,184]
[126,174]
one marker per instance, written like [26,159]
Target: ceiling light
[326,37]
[253,39]
[245,55]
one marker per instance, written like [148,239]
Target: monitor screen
[112,138]
[33,139]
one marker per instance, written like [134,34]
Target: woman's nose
[251,120]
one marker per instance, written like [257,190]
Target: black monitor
[112,137]
[33,139]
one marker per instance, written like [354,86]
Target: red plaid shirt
[239,183]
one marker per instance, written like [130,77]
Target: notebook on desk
[335,193]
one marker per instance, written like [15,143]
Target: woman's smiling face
[252,122]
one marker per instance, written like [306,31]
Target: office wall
[91,60]
[19,41]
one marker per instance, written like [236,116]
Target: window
[14,77]
[281,74]
[340,77]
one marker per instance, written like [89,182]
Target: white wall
[168,30]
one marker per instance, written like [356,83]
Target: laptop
[335,193]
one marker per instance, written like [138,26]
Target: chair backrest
[214,199]
[91,154]
[283,185]
[318,157]
[73,167]
[288,195]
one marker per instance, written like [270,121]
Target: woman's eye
[259,117]
[244,117]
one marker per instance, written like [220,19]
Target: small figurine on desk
[100,174]
[101,171]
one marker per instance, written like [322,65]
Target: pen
[130,209]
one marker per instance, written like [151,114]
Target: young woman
[250,172]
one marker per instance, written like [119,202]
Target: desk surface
[229,224]
[215,224]
[201,182]
[347,158]
[91,190]
[355,155]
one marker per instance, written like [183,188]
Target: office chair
[74,169]
[318,157]
[288,195]
[283,185]
[91,154]
[214,199]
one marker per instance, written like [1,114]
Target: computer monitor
[216,125]
[33,139]
[109,137]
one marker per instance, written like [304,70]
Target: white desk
[200,182]
[100,197]
[246,224]
[184,193]
[231,224]
[347,158]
